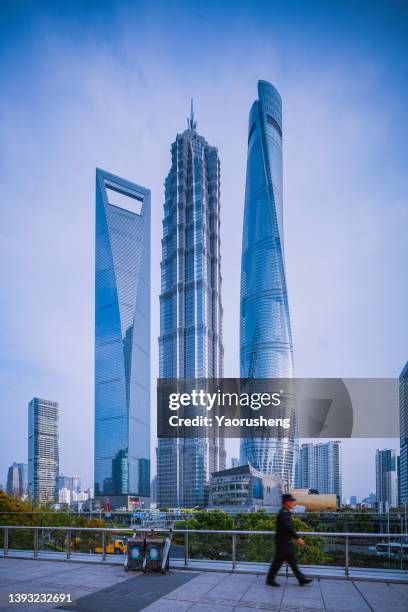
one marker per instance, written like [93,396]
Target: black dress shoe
[273,583]
[306,581]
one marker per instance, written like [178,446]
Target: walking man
[284,539]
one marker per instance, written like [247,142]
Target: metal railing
[188,562]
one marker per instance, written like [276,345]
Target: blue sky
[88,84]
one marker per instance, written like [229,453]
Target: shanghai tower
[190,343]
[265,332]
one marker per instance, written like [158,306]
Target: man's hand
[300,542]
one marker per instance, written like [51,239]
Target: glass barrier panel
[177,547]
[20,540]
[382,553]
[210,546]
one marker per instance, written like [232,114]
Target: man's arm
[300,541]
[289,526]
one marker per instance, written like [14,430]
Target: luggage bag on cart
[157,555]
[136,548]
[148,554]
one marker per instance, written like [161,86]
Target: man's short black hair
[287,497]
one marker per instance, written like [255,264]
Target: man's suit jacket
[285,532]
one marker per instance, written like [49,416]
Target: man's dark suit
[285,549]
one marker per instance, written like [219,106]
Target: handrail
[233,533]
[217,531]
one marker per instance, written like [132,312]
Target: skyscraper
[190,343]
[72,483]
[266,338]
[43,450]
[17,479]
[319,467]
[122,341]
[386,478]
[403,411]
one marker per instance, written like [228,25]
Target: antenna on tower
[190,121]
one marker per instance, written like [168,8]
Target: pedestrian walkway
[242,593]
[97,588]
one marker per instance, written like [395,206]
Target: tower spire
[190,121]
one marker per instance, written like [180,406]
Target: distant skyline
[88,85]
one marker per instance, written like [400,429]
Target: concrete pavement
[97,588]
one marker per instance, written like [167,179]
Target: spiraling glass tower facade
[190,343]
[43,450]
[265,335]
[122,340]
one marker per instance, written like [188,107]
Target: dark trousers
[276,564]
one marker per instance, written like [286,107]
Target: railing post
[68,544]
[6,541]
[185,548]
[346,564]
[103,546]
[234,550]
[401,553]
[35,542]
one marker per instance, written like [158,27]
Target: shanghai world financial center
[122,340]
[190,342]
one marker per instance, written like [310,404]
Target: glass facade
[403,459]
[17,479]
[43,450]
[190,343]
[122,338]
[265,334]
[386,479]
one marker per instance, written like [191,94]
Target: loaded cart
[157,555]
[135,553]
[148,553]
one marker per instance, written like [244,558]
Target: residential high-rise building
[76,484]
[386,479]
[190,343]
[65,482]
[17,480]
[13,484]
[319,467]
[43,450]
[403,460]
[72,483]
[122,341]
[64,496]
[265,337]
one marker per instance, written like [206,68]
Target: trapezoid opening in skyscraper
[122,341]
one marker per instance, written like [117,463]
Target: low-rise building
[310,500]
[244,488]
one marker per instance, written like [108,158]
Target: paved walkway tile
[382,597]
[106,588]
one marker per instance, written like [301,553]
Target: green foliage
[16,512]
[248,547]
[209,546]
